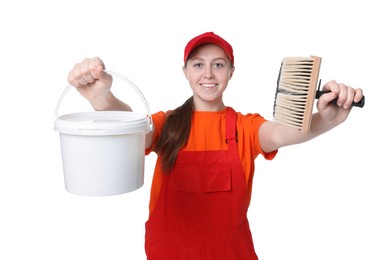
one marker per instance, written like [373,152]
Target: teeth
[208,85]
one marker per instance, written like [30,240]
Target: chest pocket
[202,178]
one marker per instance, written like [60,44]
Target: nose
[208,71]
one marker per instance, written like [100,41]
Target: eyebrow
[199,58]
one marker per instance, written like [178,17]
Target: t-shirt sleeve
[269,155]
[252,124]
[158,122]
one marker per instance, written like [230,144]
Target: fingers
[86,72]
[344,94]
[358,95]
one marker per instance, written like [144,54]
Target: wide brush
[296,91]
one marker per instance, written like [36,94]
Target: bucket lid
[102,123]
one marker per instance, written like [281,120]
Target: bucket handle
[129,82]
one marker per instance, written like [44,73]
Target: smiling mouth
[208,85]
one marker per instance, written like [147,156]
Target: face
[208,71]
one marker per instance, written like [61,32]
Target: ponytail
[175,134]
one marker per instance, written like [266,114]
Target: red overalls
[201,210]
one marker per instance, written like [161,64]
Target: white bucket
[103,152]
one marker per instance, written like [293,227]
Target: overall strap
[231,128]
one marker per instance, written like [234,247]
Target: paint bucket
[103,152]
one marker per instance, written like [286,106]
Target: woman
[203,176]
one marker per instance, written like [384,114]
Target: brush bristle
[295,91]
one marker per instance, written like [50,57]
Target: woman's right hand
[92,82]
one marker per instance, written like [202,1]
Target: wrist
[109,102]
[103,102]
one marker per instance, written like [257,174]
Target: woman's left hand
[344,96]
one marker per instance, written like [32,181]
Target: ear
[185,71]
[231,72]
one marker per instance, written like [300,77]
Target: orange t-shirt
[208,133]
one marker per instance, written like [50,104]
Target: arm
[274,136]
[94,84]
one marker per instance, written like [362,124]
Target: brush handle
[319,93]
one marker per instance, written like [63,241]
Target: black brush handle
[319,93]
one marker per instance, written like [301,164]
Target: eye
[198,65]
[218,65]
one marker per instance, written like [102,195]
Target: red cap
[209,37]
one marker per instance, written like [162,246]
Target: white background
[325,199]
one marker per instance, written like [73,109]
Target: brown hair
[175,134]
